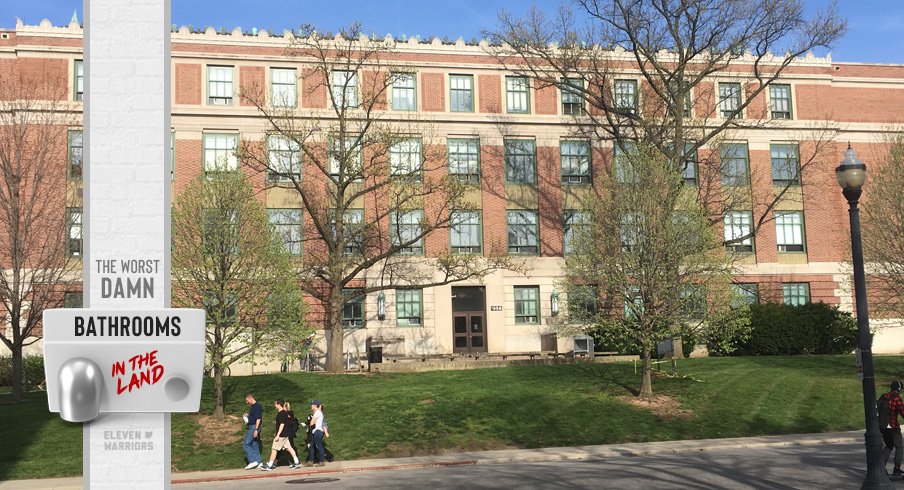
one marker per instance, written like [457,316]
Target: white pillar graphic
[126,210]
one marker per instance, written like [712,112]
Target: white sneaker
[267,467]
[252,465]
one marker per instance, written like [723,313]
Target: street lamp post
[851,176]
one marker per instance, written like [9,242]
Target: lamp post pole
[851,176]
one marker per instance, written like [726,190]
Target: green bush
[32,371]
[816,328]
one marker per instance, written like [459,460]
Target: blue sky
[875,33]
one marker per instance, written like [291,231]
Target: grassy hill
[518,407]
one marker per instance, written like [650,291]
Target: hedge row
[816,328]
[32,369]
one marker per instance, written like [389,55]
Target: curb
[410,466]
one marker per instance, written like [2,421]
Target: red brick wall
[374,88]
[822,286]
[251,82]
[433,93]
[188,163]
[313,89]
[757,107]
[188,83]
[549,190]
[490,93]
[547,101]
[492,181]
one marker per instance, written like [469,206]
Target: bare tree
[374,187]
[647,244]
[227,258]
[37,259]
[883,231]
[704,69]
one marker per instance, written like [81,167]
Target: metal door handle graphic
[80,388]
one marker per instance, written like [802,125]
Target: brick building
[464,93]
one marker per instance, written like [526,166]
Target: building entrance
[469,329]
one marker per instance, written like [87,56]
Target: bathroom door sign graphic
[114,361]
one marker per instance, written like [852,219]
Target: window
[796,293]
[409,307]
[78,90]
[216,313]
[624,165]
[630,231]
[464,159]
[729,99]
[527,304]
[517,95]
[522,233]
[461,93]
[583,303]
[575,158]
[735,170]
[287,222]
[785,164]
[219,231]
[689,171]
[403,93]
[465,232]
[626,96]
[745,293]
[284,159]
[344,88]
[74,232]
[352,231]
[780,101]
[572,100]
[72,299]
[633,303]
[789,231]
[219,152]
[692,300]
[345,159]
[737,224]
[219,85]
[75,155]
[521,161]
[353,308]
[574,223]
[282,87]
[405,159]
[405,231]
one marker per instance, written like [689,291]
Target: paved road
[801,467]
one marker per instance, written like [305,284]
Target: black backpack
[882,406]
[292,426]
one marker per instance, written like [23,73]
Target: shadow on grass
[36,442]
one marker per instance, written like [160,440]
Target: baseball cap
[316,402]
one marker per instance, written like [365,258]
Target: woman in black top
[281,440]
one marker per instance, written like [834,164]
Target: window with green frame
[689,171]
[789,231]
[409,307]
[78,88]
[403,92]
[574,223]
[344,88]
[219,85]
[583,302]
[461,93]
[734,163]
[796,293]
[282,87]
[527,305]
[219,152]
[729,99]
[517,95]
[405,159]
[521,161]
[574,156]
[72,299]
[745,293]
[465,232]
[287,223]
[75,155]
[624,162]
[283,159]
[626,95]
[780,101]
[406,232]
[692,301]
[572,100]
[785,164]
[353,308]
[464,159]
[352,230]
[523,232]
[74,232]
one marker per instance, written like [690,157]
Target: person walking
[890,407]
[315,452]
[251,442]
[281,439]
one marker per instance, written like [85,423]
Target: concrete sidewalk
[483,457]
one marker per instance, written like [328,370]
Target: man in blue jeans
[251,444]
[316,436]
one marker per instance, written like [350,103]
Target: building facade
[489,121]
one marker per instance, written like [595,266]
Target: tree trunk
[678,347]
[646,386]
[336,355]
[17,374]
[218,388]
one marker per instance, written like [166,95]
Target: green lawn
[523,407]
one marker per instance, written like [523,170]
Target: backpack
[292,426]
[882,407]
